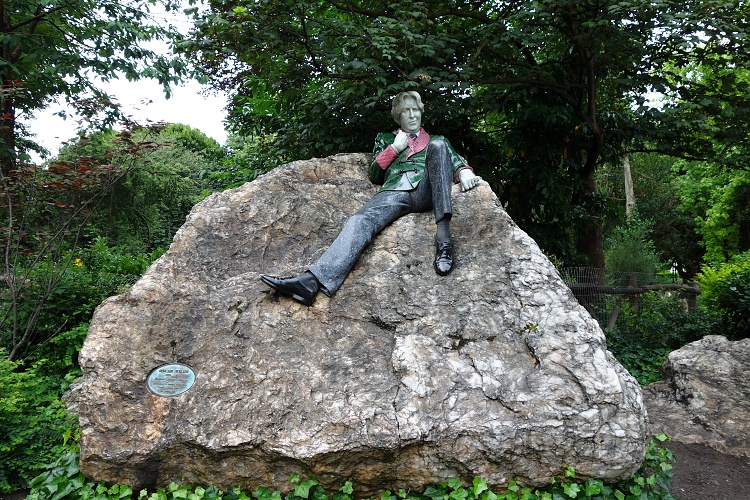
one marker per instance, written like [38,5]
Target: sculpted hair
[398,104]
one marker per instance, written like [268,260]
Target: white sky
[143,101]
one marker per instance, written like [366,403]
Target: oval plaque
[170,380]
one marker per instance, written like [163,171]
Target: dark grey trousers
[433,192]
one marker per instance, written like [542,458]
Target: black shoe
[443,257]
[302,288]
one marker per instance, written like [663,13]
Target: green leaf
[302,490]
[593,487]
[571,489]
[347,488]
[480,485]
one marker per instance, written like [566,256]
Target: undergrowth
[659,324]
[64,481]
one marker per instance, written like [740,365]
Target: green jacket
[404,171]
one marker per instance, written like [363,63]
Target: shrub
[642,338]
[661,318]
[33,421]
[47,308]
[641,358]
[726,291]
[628,249]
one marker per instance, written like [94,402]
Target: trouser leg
[334,265]
[440,177]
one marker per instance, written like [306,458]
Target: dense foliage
[146,205]
[46,212]
[629,249]
[720,199]
[667,219]
[246,159]
[646,333]
[33,421]
[726,291]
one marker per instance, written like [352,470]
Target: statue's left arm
[463,173]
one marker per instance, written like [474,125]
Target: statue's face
[411,117]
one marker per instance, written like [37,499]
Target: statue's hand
[468,179]
[400,142]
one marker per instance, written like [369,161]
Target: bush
[661,318]
[34,423]
[641,358]
[642,338]
[628,249]
[726,291]
[90,275]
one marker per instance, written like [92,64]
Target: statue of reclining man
[416,172]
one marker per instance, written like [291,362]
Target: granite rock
[402,379]
[704,395]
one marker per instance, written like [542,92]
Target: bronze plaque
[170,380]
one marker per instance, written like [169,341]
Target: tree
[54,48]
[563,81]
[128,190]
[246,158]
[719,200]
[46,210]
[657,181]
[147,204]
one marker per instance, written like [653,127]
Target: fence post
[632,282]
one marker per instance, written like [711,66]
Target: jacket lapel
[420,143]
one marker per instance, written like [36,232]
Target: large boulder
[403,379]
[704,395]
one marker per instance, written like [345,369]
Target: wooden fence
[593,287]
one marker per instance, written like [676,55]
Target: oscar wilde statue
[416,171]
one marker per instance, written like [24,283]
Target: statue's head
[407,110]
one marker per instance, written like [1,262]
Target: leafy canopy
[296,65]
[54,48]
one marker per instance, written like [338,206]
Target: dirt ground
[699,473]
[702,473]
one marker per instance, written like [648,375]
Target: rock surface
[704,395]
[403,379]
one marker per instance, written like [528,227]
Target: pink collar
[418,144]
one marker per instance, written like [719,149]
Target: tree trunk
[7,136]
[629,196]
[590,240]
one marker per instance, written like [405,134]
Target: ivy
[63,481]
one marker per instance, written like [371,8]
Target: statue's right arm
[381,157]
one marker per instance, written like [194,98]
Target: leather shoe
[443,257]
[302,288]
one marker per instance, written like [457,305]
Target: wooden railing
[591,286]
